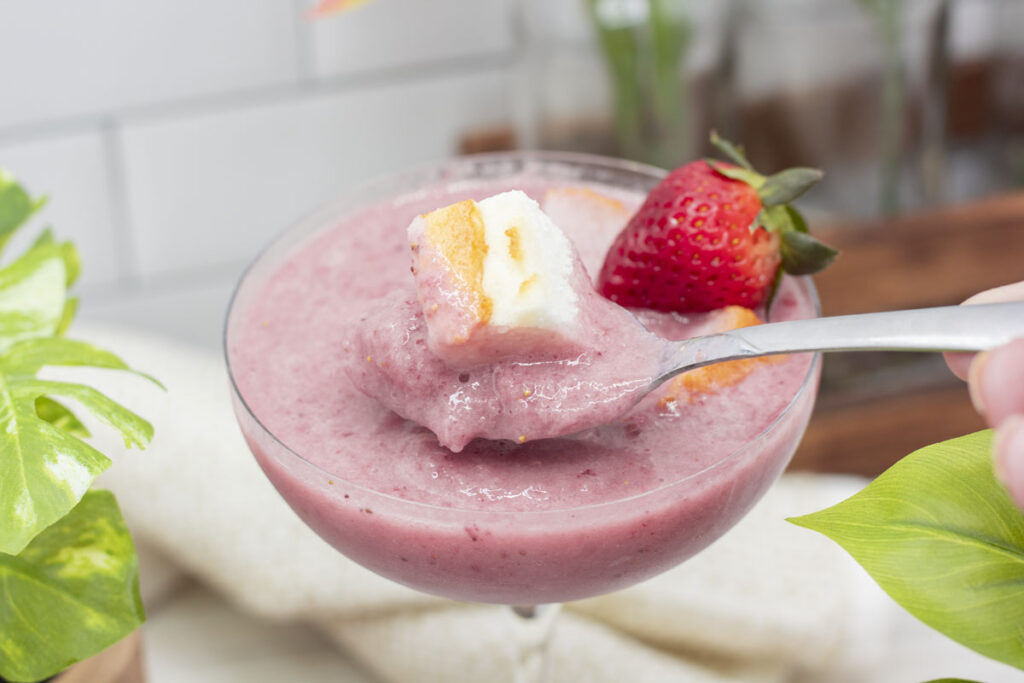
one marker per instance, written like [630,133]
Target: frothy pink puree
[545,521]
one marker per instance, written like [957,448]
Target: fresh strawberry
[711,235]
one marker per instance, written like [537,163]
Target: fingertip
[1008,454]
[975,379]
[959,363]
[996,382]
[1012,292]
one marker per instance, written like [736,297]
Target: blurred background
[177,137]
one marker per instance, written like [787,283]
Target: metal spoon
[945,328]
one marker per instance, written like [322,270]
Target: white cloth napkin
[766,603]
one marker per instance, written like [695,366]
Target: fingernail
[1008,452]
[974,380]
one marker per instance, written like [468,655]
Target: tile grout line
[275,93]
[124,239]
[177,280]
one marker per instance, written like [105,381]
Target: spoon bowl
[945,328]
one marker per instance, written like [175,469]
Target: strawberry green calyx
[712,234]
[801,253]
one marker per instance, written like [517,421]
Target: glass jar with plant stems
[854,86]
[641,79]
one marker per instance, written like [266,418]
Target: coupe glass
[530,560]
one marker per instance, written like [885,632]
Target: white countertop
[194,636]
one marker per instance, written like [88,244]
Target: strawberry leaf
[941,536]
[733,152]
[774,219]
[752,178]
[780,219]
[785,186]
[71,593]
[803,254]
[796,220]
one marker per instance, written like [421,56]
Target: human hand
[996,382]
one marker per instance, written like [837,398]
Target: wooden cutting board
[119,663]
[874,409]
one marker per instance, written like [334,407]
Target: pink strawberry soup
[548,520]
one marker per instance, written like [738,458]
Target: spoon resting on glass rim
[525,399]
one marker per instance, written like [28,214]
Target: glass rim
[569,159]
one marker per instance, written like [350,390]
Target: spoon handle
[947,328]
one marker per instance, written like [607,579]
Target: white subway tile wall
[215,188]
[72,170]
[91,58]
[176,137]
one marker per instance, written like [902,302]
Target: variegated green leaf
[67,315]
[33,291]
[45,470]
[136,431]
[60,416]
[29,356]
[68,570]
[16,206]
[71,593]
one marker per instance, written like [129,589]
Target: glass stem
[533,626]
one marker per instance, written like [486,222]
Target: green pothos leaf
[68,570]
[16,206]
[67,315]
[45,469]
[30,356]
[941,536]
[33,291]
[60,416]
[70,593]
